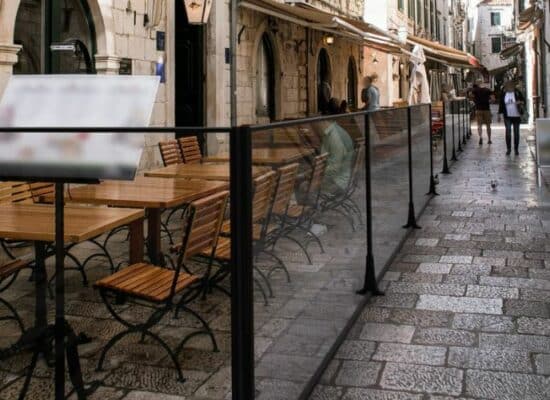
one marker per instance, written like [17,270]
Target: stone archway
[278,65]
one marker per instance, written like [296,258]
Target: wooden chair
[190,149]
[301,216]
[170,152]
[156,287]
[343,203]
[8,274]
[264,189]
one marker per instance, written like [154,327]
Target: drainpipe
[544,68]
[308,48]
[233,61]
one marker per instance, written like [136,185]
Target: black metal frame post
[242,294]
[370,284]
[464,130]
[411,220]
[459,123]
[432,190]
[445,169]
[59,292]
[469,111]
[453,157]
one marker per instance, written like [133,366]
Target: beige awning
[445,54]
[307,16]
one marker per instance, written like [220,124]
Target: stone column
[8,57]
[107,65]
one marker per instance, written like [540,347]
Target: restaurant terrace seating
[156,287]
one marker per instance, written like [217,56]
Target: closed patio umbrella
[419,92]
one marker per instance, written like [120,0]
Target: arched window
[324,84]
[265,79]
[352,85]
[61,41]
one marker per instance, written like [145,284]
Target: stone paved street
[466,311]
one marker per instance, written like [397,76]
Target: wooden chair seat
[11,268]
[146,281]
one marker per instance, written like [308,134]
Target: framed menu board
[49,101]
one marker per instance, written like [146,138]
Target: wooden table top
[271,155]
[36,222]
[209,171]
[147,192]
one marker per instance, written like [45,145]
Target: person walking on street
[370,95]
[482,98]
[512,106]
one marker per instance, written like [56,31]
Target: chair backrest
[264,189]
[318,169]
[24,192]
[203,222]
[170,152]
[190,149]
[5,191]
[39,189]
[358,161]
[285,188]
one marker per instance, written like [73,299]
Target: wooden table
[209,171]
[36,222]
[153,194]
[273,156]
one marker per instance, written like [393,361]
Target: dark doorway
[189,71]
[324,84]
[265,79]
[352,85]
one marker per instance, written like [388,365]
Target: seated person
[337,142]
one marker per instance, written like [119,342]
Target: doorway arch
[352,84]
[324,81]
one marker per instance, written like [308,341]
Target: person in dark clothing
[511,106]
[482,98]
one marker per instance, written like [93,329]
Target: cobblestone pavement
[466,313]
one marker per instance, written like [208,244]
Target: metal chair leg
[15,315]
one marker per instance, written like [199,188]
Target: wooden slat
[271,155]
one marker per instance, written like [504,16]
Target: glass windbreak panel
[309,246]
[421,162]
[438,127]
[390,182]
[449,131]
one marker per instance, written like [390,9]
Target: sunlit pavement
[466,313]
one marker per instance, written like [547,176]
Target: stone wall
[295,61]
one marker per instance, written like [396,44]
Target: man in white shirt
[512,104]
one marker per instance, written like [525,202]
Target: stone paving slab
[466,315]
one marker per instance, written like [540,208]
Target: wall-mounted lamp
[273,25]
[197,11]
[328,40]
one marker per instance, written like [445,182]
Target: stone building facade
[126,40]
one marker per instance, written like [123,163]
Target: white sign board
[74,101]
